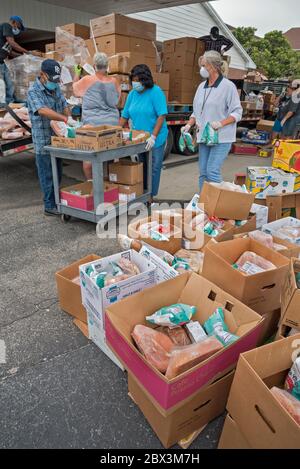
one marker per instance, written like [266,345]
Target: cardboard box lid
[99,130]
[290,296]
[189,289]
[226,204]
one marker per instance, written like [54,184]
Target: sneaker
[51,212]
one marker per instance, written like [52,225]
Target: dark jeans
[157,161]
[9,86]
[43,163]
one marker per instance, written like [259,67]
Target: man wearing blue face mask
[45,103]
[9,47]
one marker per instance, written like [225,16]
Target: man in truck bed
[215,41]
[8,46]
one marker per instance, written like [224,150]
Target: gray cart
[97,159]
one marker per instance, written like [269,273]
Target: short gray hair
[214,58]
[101,61]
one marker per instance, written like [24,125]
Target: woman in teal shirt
[146,107]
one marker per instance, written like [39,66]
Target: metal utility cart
[97,159]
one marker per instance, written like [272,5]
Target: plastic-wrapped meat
[250,263]
[262,238]
[289,402]
[155,345]
[279,247]
[128,267]
[289,231]
[59,128]
[193,258]
[185,358]
[178,335]
[13,135]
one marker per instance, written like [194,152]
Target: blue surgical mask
[136,85]
[50,85]
[16,31]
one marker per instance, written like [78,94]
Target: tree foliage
[272,54]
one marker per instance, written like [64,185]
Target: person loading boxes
[146,107]
[8,46]
[100,95]
[215,41]
[45,103]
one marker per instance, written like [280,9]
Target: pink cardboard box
[85,200]
[190,289]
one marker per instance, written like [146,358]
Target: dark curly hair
[143,73]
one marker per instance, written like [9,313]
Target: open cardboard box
[190,289]
[292,250]
[274,227]
[278,203]
[126,172]
[85,200]
[99,138]
[261,291]
[232,437]
[226,204]
[261,418]
[172,245]
[69,294]
[188,416]
[290,297]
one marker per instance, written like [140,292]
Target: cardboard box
[169,66]
[244,149]
[126,172]
[189,289]
[224,203]
[172,245]
[96,299]
[162,80]
[278,204]
[69,294]
[125,61]
[182,98]
[100,138]
[63,142]
[292,250]
[261,213]
[260,291]
[290,297]
[124,81]
[123,99]
[287,155]
[120,24]
[186,44]
[163,271]
[117,43]
[264,125]
[286,331]
[129,193]
[84,199]
[264,181]
[270,326]
[78,30]
[195,412]
[200,50]
[274,227]
[54,56]
[97,335]
[261,418]
[82,326]
[50,47]
[90,44]
[179,60]
[232,437]
[169,46]
[183,85]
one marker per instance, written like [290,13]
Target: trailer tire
[169,143]
[186,152]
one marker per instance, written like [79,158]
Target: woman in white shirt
[216,102]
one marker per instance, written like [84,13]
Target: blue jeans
[211,159]
[43,163]
[9,86]
[157,161]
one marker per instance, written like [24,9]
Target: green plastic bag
[216,326]
[186,141]
[172,316]
[209,136]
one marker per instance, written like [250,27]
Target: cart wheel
[65,218]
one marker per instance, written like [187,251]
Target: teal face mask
[50,85]
[136,85]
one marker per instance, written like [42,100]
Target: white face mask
[204,72]
[16,31]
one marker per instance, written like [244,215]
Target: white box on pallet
[96,299]
[274,228]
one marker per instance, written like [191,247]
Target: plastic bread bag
[184,358]
[216,326]
[172,316]
[154,345]
[292,382]
[209,136]
[262,238]
[250,263]
[288,401]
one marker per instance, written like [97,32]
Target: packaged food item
[250,263]
[185,358]
[230,186]
[155,231]
[155,345]
[177,334]
[128,267]
[193,205]
[216,326]
[214,227]
[292,382]
[289,231]
[289,402]
[262,238]
[279,247]
[172,316]
[115,272]
[199,220]
[195,331]
[193,258]
[209,136]
[181,265]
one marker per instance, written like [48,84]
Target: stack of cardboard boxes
[180,60]
[24,70]
[129,178]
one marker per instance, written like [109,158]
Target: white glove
[185,129]
[71,122]
[150,142]
[216,125]
[282,122]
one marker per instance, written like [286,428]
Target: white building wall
[187,20]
